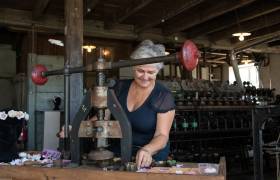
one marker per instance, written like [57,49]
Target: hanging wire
[237,20]
[32,39]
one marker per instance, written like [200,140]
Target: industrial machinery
[102,97]
[215,120]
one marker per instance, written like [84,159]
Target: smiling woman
[145,75]
[141,72]
[149,107]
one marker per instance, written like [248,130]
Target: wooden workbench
[38,173]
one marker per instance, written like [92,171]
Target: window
[248,72]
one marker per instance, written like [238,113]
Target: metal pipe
[61,71]
[67,108]
[127,63]
[119,64]
[100,81]
[235,69]
[257,118]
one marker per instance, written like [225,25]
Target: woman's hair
[147,49]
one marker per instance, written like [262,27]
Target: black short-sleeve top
[143,120]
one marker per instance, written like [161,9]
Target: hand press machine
[102,97]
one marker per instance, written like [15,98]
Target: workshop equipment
[216,119]
[101,97]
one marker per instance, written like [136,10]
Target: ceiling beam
[89,6]
[274,43]
[256,9]
[259,33]
[264,39]
[39,8]
[220,60]
[248,26]
[22,20]
[19,20]
[131,10]
[172,13]
[195,18]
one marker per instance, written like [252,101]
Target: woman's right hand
[143,158]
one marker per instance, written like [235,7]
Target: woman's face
[145,75]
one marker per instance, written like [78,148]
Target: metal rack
[260,115]
[194,142]
[212,134]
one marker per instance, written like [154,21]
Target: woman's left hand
[143,158]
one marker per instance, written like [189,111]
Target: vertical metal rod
[100,81]
[67,108]
[277,166]
[257,145]
[235,69]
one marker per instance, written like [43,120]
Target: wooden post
[73,51]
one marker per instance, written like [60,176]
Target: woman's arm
[161,136]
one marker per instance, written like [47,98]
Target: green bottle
[174,125]
[185,125]
[194,124]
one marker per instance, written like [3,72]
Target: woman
[149,107]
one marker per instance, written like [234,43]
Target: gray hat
[147,49]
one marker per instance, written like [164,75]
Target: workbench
[84,173]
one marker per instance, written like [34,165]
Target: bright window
[248,72]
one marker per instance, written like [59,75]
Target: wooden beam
[273,43]
[174,12]
[131,10]
[264,50]
[22,20]
[258,33]
[39,8]
[264,39]
[19,20]
[89,6]
[218,60]
[197,17]
[73,56]
[225,47]
[248,26]
[73,32]
[257,9]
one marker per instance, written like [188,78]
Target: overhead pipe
[235,68]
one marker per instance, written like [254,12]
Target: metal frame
[259,115]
